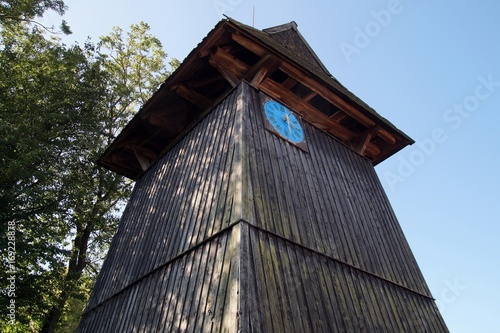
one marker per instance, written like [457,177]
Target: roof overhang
[230,53]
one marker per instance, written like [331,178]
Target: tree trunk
[76,266]
[52,318]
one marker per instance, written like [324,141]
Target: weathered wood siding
[182,200]
[236,230]
[328,199]
[292,289]
[195,292]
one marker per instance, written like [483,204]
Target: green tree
[47,104]
[25,10]
[135,68]
[60,107]
[14,11]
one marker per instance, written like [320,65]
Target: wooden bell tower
[256,206]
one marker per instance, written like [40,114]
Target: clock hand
[287,119]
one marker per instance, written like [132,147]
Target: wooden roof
[277,61]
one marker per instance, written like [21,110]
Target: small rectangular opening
[323,105]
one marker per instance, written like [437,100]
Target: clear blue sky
[431,68]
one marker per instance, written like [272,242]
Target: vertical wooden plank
[301,289]
[164,274]
[196,308]
[294,293]
[243,125]
[185,290]
[128,300]
[166,205]
[336,318]
[245,277]
[273,279]
[333,196]
[139,309]
[214,285]
[262,314]
[186,204]
[225,200]
[308,276]
[241,104]
[285,291]
[172,297]
[204,173]
[258,179]
[326,320]
[203,309]
[229,300]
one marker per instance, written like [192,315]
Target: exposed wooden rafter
[230,63]
[262,69]
[221,60]
[361,143]
[326,93]
[249,44]
[144,156]
[289,83]
[310,96]
[309,112]
[227,56]
[192,96]
[296,75]
[164,122]
[338,116]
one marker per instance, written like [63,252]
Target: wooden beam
[372,151]
[205,81]
[310,96]
[230,67]
[386,136]
[312,84]
[262,69]
[306,110]
[338,116]
[326,94]
[204,52]
[249,44]
[218,36]
[228,75]
[225,59]
[121,164]
[360,144]
[192,96]
[144,156]
[289,83]
[163,122]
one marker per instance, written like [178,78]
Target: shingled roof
[277,61]
[292,40]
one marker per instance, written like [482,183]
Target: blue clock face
[284,122]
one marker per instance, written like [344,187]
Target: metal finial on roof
[253,17]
